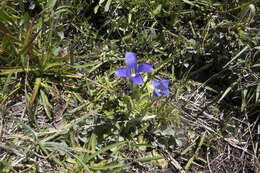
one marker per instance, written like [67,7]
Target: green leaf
[157,10]
[257,92]
[108,167]
[237,55]
[196,152]
[96,9]
[107,5]
[101,2]
[129,18]
[63,148]
[15,70]
[28,128]
[46,104]
[147,159]
[109,147]
[93,142]
[35,90]
[244,99]
[78,108]
[53,65]
[228,90]
[51,4]
[68,126]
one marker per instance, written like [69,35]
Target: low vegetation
[129,86]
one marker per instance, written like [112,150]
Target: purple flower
[160,88]
[132,71]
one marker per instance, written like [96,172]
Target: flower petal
[131,61]
[156,92]
[156,84]
[138,80]
[121,72]
[145,67]
[166,91]
[164,83]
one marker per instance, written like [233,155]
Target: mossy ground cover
[73,100]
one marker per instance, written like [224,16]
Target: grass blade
[196,152]
[227,91]
[118,144]
[107,5]
[46,104]
[237,55]
[35,91]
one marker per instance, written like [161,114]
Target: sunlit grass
[65,108]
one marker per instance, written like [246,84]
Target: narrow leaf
[119,144]
[227,91]
[46,104]
[107,5]
[196,152]
[244,100]
[257,92]
[35,90]
[51,4]
[157,10]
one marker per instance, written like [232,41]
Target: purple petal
[156,84]
[156,93]
[138,80]
[131,61]
[145,67]
[121,72]
[166,91]
[165,83]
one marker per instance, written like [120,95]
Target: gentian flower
[160,88]
[132,70]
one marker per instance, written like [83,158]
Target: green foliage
[58,59]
